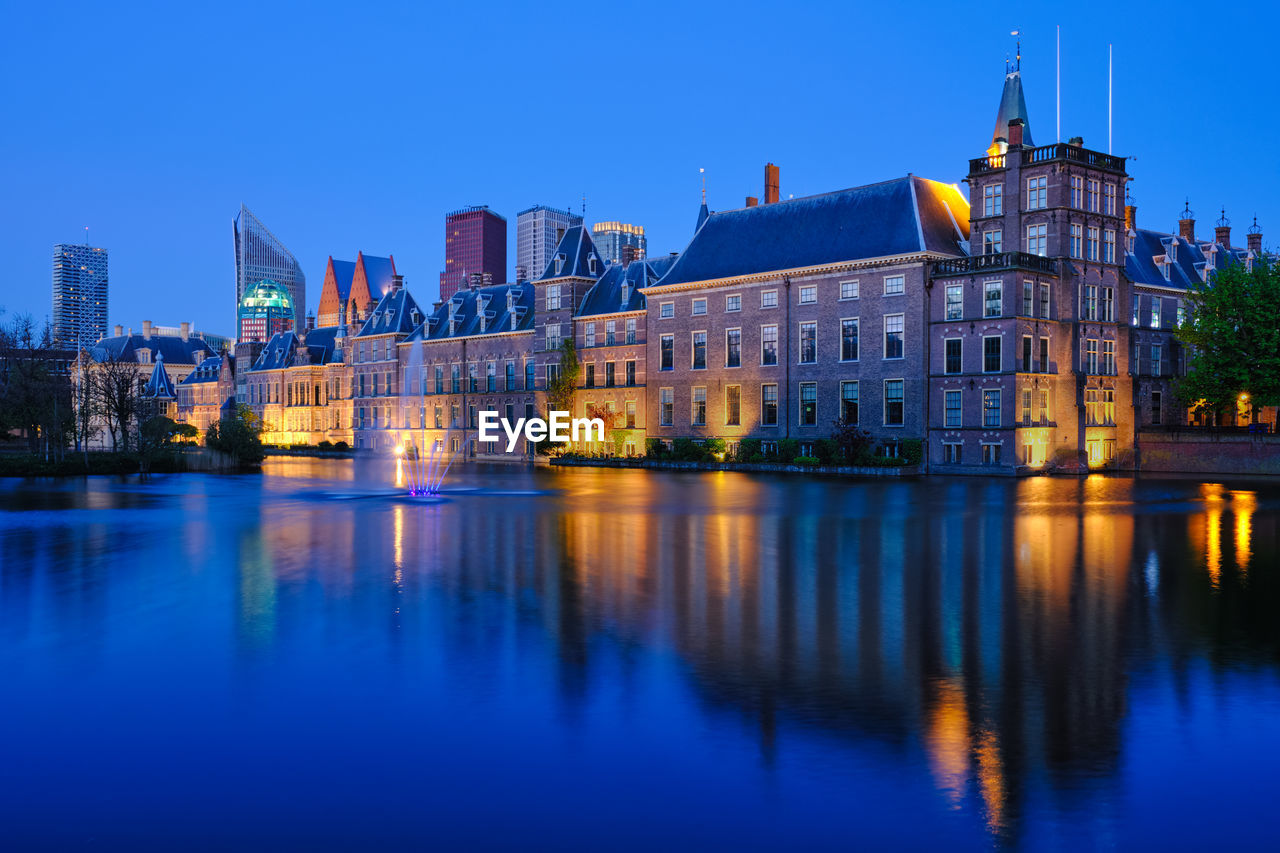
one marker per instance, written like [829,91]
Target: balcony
[993,262]
[1046,153]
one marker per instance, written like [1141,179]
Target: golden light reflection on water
[1243,505]
[985,615]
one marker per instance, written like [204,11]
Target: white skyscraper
[538,232]
[79,295]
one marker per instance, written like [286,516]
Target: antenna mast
[1108,99]
[1059,93]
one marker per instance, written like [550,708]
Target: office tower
[538,232]
[265,310]
[79,295]
[260,255]
[618,242]
[475,241]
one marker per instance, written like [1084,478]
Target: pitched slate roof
[342,274]
[280,351]
[1187,261]
[396,313]
[467,306]
[606,296]
[378,272]
[581,260]
[172,348]
[159,386]
[897,217]
[206,371]
[1013,104]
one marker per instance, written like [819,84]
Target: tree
[119,397]
[86,404]
[34,397]
[852,443]
[238,435]
[1233,334]
[560,390]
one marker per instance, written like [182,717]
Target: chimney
[770,183]
[752,201]
[1222,230]
[1015,132]
[1187,224]
[184,330]
[1254,237]
[311,322]
[119,330]
[1130,217]
[146,330]
[1076,142]
[397,282]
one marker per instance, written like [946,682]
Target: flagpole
[1059,84]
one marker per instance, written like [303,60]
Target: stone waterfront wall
[1208,453]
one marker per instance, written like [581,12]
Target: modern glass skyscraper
[259,255]
[79,295]
[618,242]
[538,232]
[266,310]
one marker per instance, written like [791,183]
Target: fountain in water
[420,468]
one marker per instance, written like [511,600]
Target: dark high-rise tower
[79,295]
[261,256]
[475,241]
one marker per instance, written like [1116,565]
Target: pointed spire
[1013,104]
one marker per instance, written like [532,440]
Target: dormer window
[591,263]
[514,319]
[559,264]
[511,300]
[626,293]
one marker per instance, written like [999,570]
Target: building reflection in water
[986,627]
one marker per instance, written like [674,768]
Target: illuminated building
[79,295]
[618,242]
[475,243]
[260,255]
[265,310]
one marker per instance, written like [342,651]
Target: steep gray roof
[159,386]
[281,350]
[1013,104]
[896,217]
[1187,261]
[172,348]
[577,256]
[496,304]
[619,289]
[396,313]
[206,371]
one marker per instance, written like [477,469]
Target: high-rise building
[475,241]
[79,295]
[538,232]
[618,242]
[265,310]
[260,255]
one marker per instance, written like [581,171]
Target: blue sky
[349,127]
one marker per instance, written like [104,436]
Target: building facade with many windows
[475,243]
[79,295]
[260,255]
[539,230]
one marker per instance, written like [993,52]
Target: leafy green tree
[1233,334]
[560,390]
[238,435]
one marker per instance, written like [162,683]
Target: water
[626,659]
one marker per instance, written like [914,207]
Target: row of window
[807,294]
[610,374]
[807,414]
[1035,408]
[808,350]
[1085,194]
[610,333]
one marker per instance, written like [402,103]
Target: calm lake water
[625,659]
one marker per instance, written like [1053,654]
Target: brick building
[1028,324]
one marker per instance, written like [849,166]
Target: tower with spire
[1031,326]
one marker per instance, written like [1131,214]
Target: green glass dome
[267,294]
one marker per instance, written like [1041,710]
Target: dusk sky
[349,127]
